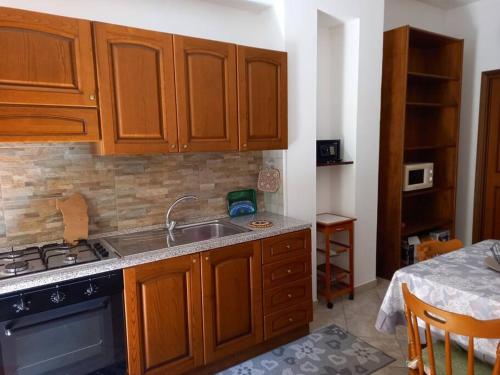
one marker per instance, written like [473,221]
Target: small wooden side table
[334,281]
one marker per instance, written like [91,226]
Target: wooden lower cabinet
[163,315]
[232,299]
[286,283]
[205,312]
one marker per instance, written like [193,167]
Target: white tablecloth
[459,282]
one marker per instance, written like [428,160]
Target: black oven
[74,327]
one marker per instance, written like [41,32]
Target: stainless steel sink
[135,243]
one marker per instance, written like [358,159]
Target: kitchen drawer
[343,227]
[285,271]
[283,321]
[286,295]
[286,246]
[46,123]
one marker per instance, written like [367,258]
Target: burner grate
[17,267]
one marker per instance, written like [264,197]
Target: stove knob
[91,290]
[57,297]
[21,305]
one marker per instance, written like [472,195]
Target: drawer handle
[288,246]
[290,320]
[290,296]
[340,229]
[289,270]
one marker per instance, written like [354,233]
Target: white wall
[187,17]
[478,24]
[337,99]
[301,44]
[413,13]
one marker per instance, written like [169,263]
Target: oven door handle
[11,328]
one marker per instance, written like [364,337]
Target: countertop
[281,224]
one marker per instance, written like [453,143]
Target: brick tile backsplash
[121,191]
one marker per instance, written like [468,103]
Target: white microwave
[418,176]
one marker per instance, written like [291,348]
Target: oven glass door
[76,339]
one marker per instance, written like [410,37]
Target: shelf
[336,289]
[424,225]
[416,193]
[437,77]
[430,105]
[337,272]
[334,163]
[335,252]
[429,147]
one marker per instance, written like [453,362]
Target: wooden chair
[430,249]
[449,323]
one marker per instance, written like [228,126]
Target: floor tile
[358,317]
[392,370]
[324,316]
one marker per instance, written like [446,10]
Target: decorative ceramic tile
[122,192]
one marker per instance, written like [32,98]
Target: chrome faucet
[171,224]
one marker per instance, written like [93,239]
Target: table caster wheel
[329,305]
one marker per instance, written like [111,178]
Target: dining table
[459,282]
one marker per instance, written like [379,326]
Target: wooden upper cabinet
[163,314]
[206,94]
[48,124]
[45,60]
[262,99]
[232,299]
[136,90]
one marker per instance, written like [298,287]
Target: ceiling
[448,4]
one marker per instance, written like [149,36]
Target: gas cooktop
[51,256]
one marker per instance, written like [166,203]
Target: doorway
[487,191]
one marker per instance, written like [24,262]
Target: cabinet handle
[206,258]
[92,97]
[194,260]
[172,145]
[288,246]
[185,146]
[289,270]
[290,320]
[289,296]
[340,229]
[244,145]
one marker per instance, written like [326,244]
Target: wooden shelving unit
[421,84]
[333,280]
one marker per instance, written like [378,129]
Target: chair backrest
[450,323]
[430,249]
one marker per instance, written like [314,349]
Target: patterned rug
[328,351]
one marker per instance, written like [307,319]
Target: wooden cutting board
[75,216]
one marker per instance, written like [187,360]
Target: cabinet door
[45,59]
[163,314]
[232,299]
[136,90]
[205,74]
[262,99]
